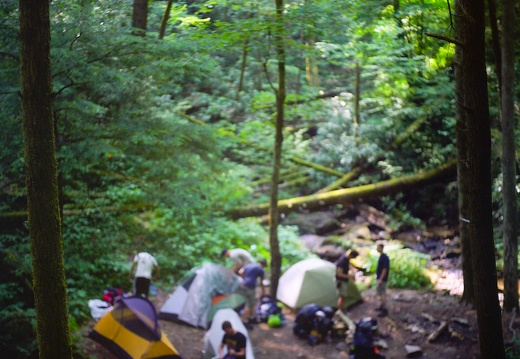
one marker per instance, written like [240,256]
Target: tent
[130,330]
[213,336]
[205,287]
[310,281]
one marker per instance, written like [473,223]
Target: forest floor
[413,316]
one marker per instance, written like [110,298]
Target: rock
[381,344]
[342,346]
[413,351]
[312,241]
[329,251]
[358,232]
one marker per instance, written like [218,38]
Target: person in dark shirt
[382,271]
[251,273]
[235,342]
[343,275]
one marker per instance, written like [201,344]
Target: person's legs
[381,292]
[342,294]
[142,286]
[249,308]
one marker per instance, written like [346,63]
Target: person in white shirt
[240,257]
[144,267]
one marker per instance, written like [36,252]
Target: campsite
[146,141]
[406,325]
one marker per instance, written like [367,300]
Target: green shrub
[407,268]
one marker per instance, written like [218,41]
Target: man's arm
[156,273]
[132,270]
[340,273]
[240,352]
[383,274]
[221,350]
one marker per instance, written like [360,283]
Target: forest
[181,128]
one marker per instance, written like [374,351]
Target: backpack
[362,346]
[266,308]
[303,323]
[110,294]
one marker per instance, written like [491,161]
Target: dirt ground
[413,316]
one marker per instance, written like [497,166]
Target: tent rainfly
[312,281]
[199,295]
[131,331]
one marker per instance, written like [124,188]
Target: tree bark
[509,195]
[48,271]
[242,68]
[349,195]
[140,16]
[468,294]
[165,18]
[479,212]
[274,215]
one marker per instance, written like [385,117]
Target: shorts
[342,288]
[381,289]
[249,294]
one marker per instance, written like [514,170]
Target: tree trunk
[48,271]
[508,158]
[495,41]
[357,100]
[348,195]
[462,171]
[165,18]
[479,211]
[139,16]
[274,215]
[242,69]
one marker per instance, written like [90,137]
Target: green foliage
[138,176]
[407,268]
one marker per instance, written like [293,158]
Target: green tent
[312,281]
[234,301]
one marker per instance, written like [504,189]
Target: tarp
[131,330]
[191,301]
[312,281]
[213,336]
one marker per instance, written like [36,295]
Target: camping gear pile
[269,312]
[200,294]
[314,323]
[131,330]
[99,307]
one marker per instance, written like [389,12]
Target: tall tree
[479,213]
[509,157]
[140,15]
[42,186]
[274,214]
[462,171]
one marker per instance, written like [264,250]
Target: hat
[224,251]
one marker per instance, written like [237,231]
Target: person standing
[251,273]
[143,268]
[240,257]
[382,271]
[235,342]
[343,275]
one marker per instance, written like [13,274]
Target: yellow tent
[131,331]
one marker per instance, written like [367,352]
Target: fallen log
[435,334]
[348,195]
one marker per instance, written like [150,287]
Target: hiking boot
[383,312]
